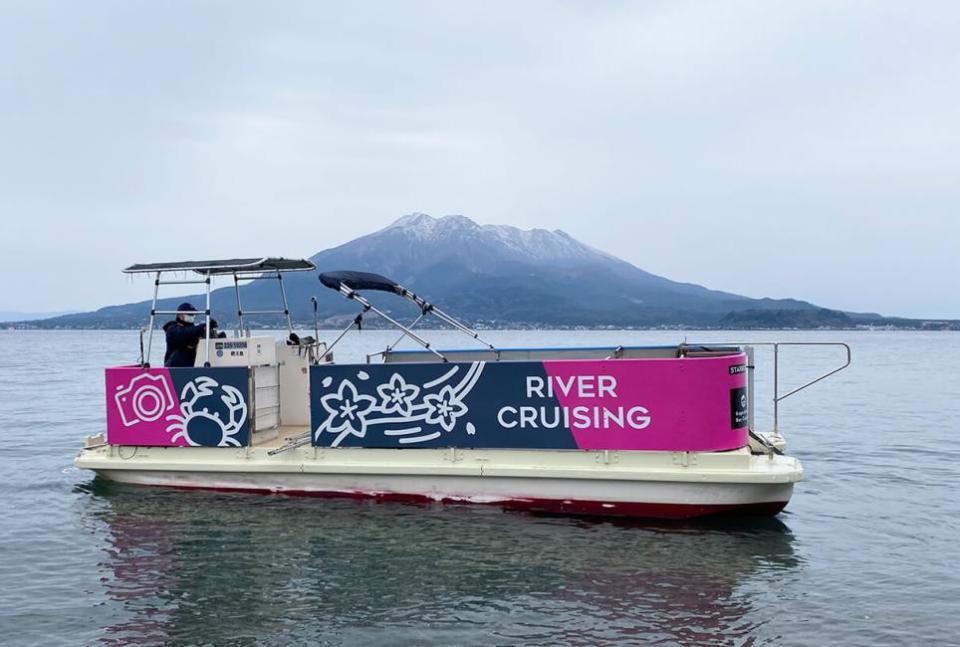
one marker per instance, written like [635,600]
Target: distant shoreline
[309,327]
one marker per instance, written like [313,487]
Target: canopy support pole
[347,283]
[413,323]
[236,287]
[286,308]
[352,294]
[206,328]
[356,322]
[153,319]
[316,323]
[456,324]
[428,307]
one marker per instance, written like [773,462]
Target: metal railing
[145,358]
[777,398]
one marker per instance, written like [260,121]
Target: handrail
[773,446]
[777,398]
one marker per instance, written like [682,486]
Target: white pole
[207,327]
[153,317]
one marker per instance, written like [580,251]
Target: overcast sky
[804,149]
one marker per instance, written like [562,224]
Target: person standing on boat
[183,337]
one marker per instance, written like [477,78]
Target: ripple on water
[864,554]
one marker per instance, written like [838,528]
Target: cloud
[764,148]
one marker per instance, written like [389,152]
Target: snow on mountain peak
[425,227]
[533,244]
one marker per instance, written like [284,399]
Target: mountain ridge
[499,276]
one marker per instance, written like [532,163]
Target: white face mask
[188,318]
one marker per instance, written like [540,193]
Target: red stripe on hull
[634,510]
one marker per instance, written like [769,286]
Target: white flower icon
[398,396]
[347,410]
[445,408]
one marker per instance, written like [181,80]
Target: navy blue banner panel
[469,405]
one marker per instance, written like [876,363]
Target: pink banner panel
[178,407]
[681,404]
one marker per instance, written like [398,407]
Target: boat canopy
[227,266]
[359,281]
[348,283]
[242,269]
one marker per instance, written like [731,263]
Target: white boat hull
[608,483]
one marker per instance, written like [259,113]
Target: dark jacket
[182,339]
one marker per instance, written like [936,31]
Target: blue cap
[186,307]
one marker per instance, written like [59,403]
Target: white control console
[238,351]
[279,379]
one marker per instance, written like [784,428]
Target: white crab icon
[198,426]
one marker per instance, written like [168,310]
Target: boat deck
[278,436]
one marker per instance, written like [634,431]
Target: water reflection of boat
[268,568]
[664,431]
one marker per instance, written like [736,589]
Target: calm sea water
[867,553]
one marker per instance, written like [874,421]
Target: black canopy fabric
[227,266]
[359,281]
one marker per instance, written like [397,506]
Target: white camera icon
[145,399]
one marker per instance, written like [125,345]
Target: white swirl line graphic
[441,408]
[403,419]
[466,378]
[469,380]
[402,432]
[419,439]
[443,378]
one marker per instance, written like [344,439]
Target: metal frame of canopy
[348,283]
[239,268]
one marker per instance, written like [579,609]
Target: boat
[662,431]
